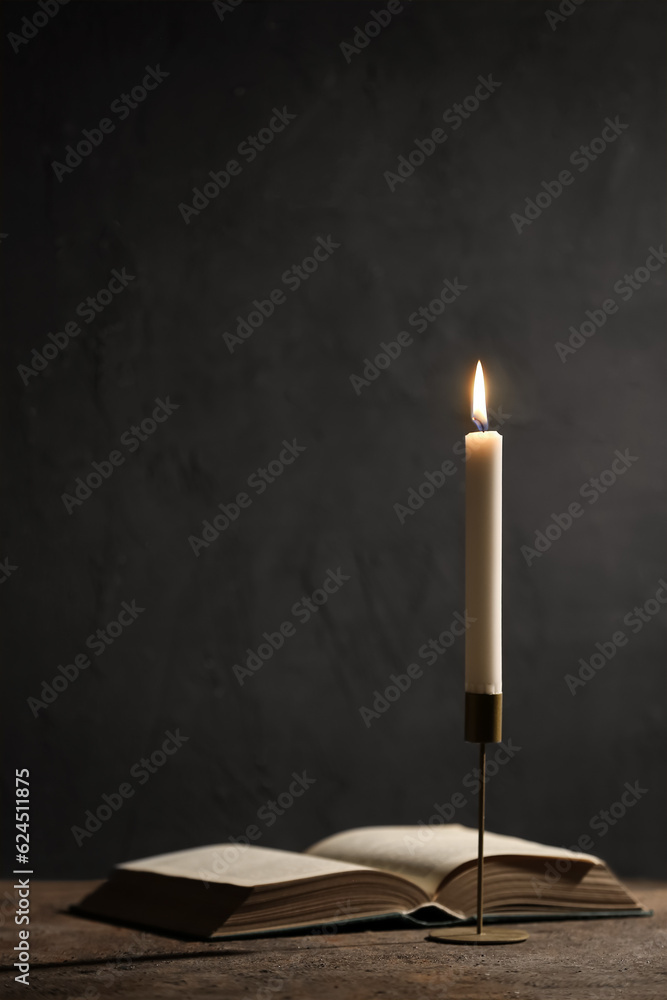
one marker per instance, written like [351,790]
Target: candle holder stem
[480,838]
[483,724]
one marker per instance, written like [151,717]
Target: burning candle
[484,478]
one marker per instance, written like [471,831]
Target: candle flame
[479,400]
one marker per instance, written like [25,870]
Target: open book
[414,874]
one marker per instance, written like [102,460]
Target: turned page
[240,864]
[426,855]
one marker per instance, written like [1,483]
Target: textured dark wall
[323,176]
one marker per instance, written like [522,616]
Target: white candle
[484,512]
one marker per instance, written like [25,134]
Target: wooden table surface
[578,960]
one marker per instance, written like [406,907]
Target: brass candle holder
[483,724]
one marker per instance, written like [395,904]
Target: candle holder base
[469,935]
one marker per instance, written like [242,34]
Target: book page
[427,854]
[239,864]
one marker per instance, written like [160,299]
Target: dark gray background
[334,507]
